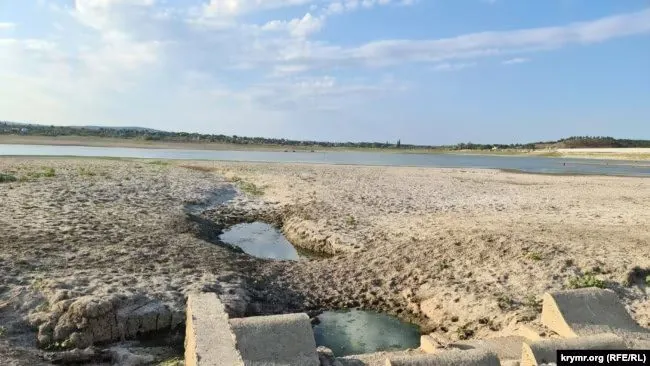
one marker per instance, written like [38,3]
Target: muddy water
[353,332]
[260,240]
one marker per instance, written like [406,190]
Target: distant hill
[144,129]
[592,142]
[148,134]
[21,124]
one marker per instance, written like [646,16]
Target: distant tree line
[471,146]
[136,133]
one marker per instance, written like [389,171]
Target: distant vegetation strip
[143,134]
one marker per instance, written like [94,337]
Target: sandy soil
[638,154]
[105,244]
[609,150]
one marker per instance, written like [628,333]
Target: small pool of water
[260,240]
[353,332]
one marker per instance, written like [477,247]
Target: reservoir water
[529,164]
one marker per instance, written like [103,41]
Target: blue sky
[423,71]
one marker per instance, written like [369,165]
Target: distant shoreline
[631,154]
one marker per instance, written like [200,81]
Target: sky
[422,71]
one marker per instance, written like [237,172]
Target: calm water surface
[524,164]
[260,240]
[353,332]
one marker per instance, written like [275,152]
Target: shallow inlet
[262,240]
[353,332]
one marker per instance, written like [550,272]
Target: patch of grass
[159,162]
[351,220]
[49,172]
[46,172]
[7,178]
[248,187]
[535,256]
[86,172]
[586,280]
[251,188]
[3,331]
[174,361]
[198,168]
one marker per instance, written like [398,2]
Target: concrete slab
[374,359]
[506,348]
[208,338]
[474,357]
[278,340]
[544,352]
[429,345]
[511,363]
[586,311]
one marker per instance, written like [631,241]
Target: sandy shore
[634,154]
[105,244]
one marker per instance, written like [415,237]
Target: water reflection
[260,240]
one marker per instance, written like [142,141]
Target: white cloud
[318,93]
[100,14]
[6,26]
[516,60]
[465,47]
[342,6]
[221,8]
[298,27]
[454,66]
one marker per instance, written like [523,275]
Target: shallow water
[260,240]
[353,332]
[530,164]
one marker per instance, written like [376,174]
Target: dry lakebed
[103,252]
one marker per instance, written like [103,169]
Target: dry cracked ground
[104,252]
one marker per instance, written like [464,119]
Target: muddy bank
[98,252]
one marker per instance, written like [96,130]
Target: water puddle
[262,240]
[213,198]
[353,332]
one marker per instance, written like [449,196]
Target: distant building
[23,131]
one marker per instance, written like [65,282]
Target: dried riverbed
[97,250]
